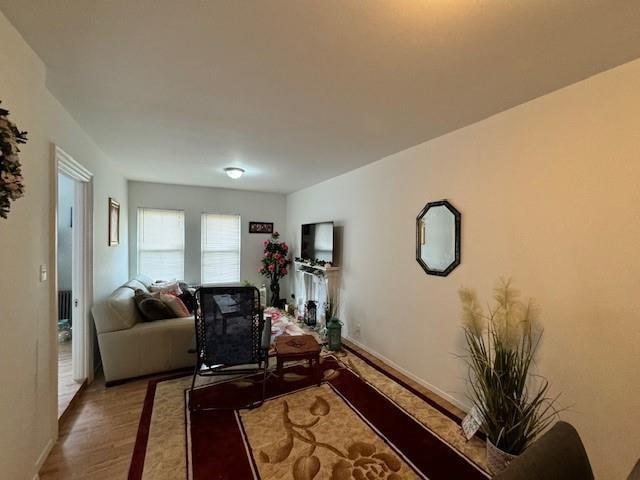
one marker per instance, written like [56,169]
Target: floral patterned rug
[360,423]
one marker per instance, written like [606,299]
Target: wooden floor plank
[67,387]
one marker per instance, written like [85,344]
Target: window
[161,243]
[220,248]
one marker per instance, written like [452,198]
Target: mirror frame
[457,216]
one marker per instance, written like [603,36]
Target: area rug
[360,423]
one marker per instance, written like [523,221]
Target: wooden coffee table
[291,348]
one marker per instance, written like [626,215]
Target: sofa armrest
[147,348]
[116,312]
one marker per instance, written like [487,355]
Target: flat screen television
[317,242]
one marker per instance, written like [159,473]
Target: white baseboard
[458,403]
[43,457]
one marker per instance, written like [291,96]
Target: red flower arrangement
[274,265]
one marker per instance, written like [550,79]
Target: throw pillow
[151,307]
[166,287]
[175,304]
[187,297]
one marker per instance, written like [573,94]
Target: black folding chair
[230,332]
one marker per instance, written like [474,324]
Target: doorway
[68,386]
[73,277]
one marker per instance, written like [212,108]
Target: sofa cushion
[117,312]
[152,307]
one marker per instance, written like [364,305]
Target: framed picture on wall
[114,222]
[260,227]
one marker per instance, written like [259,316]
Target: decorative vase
[275,293]
[497,460]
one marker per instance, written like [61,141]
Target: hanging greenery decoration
[11,186]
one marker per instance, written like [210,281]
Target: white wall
[251,206]
[549,194]
[28,402]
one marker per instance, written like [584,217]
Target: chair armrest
[559,453]
[266,334]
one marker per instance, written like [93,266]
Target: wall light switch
[43,273]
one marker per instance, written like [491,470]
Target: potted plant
[274,266]
[501,344]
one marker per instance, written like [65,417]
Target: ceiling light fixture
[234,172]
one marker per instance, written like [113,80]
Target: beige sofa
[131,347]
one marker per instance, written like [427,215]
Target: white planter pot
[497,460]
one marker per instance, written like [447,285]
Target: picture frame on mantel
[261,227]
[114,222]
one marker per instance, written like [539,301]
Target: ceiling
[299,91]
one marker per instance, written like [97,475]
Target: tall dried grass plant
[514,404]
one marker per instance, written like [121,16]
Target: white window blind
[220,248]
[161,243]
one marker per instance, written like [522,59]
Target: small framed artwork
[260,227]
[114,222]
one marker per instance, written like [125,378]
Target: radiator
[64,304]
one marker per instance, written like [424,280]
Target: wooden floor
[67,388]
[98,432]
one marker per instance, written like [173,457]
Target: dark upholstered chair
[230,332]
[557,455]
[635,474]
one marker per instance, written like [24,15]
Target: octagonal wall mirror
[438,238]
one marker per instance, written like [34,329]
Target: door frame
[83,270]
